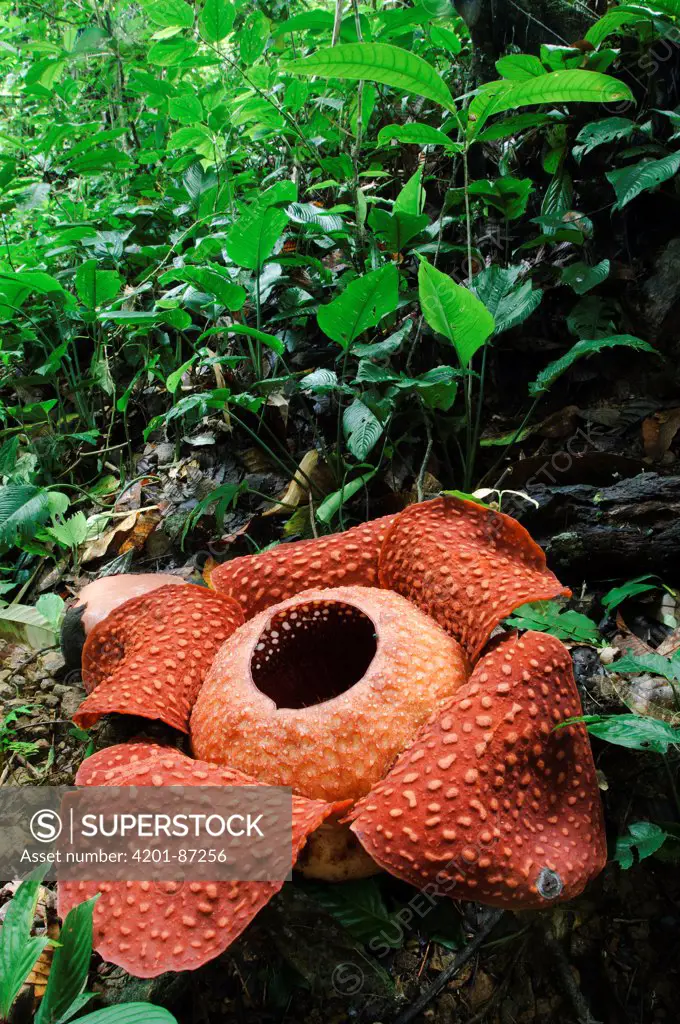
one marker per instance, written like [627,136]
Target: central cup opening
[312,652]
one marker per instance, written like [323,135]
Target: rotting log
[630,527]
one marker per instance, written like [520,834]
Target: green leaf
[251,238]
[629,182]
[454,312]
[377,62]
[508,302]
[640,585]
[636,664]
[614,20]
[446,39]
[168,53]
[174,379]
[71,532]
[270,340]
[581,349]
[362,429]
[360,908]
[363,304]
[167,13]
[396,230]
[582,278]
[18,951]
[52,608]
[643,836]
[554,87]
[253,36]
[186,109]
[637,732]
[129,1013]
[213,281]
[411,198]
[416,134]
[70,964]
[96,287]
[216,20]
[23,510]
[331,505]
[518,67]
[550,617]
[600,133]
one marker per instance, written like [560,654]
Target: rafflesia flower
[354,669]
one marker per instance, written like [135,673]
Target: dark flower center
[312,652]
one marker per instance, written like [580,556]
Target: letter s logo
[46,826]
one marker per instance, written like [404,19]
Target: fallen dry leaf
[315,469]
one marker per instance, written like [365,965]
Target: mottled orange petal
[152,927]
[342,559]
[150,655]
[491,803]
[465,565]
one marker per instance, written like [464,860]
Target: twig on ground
[458,961]
[566,977]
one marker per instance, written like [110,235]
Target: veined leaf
[550,617]
[359,907]
[640,585]
[70,964]
[216,20]
[18,951]
[573,86]
[629,182]
[518,67]
[417,134]
[582,277]
[508,302]
[453,311]
[600,133]
[251,239]
[613,21]
[377,62]
[23,510]
[363,304]
[362,429]
[637,732]
[581,349]
[643,836]
[129,1013]
[165,13]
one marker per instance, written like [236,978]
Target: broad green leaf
[166,13]
[637,664]
[52,608]
[411,199]
[71,532]
[70,964]
[363,304]
[362,429]
[216,20]
[253,37]
[555,87]
[23,510]
[582,349]
[629,182]
[96,287]
[214,282]
[129,1013]
[174,379]
[453,311]
[600,133]
[643,836]
[508,302]
[18,951]
[270,340]
[550,617]
[168,53]
[446,39]
[397,229]
[614,20]
[637,732]
[360,908]
[186,109]
[617,595]
[331,505]
[252,238]
[582,277]
[377,62]
[387,346]
[309,21]
[518,67]
[416,134]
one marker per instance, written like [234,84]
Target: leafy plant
[549,617]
